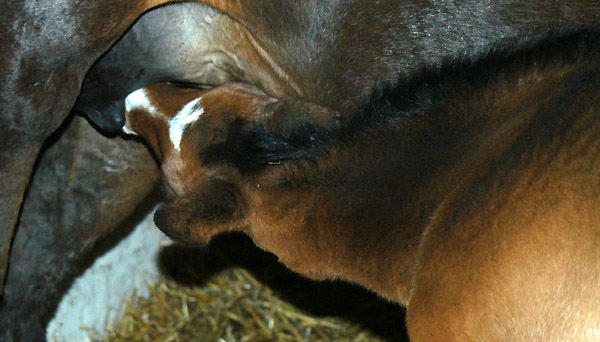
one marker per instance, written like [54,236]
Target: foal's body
[474,202]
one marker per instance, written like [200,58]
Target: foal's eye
[189,85]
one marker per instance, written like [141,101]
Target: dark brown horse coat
[471,197]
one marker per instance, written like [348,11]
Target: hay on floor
[232,306]
[231,291]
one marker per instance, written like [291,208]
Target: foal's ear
[215,206]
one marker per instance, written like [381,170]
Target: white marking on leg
[187,115]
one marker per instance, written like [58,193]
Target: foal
[471,197]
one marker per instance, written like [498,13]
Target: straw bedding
[233,292]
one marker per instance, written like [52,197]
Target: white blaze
[137,99]
[187,115]
[140,99]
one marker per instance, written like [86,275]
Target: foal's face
[179,123]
